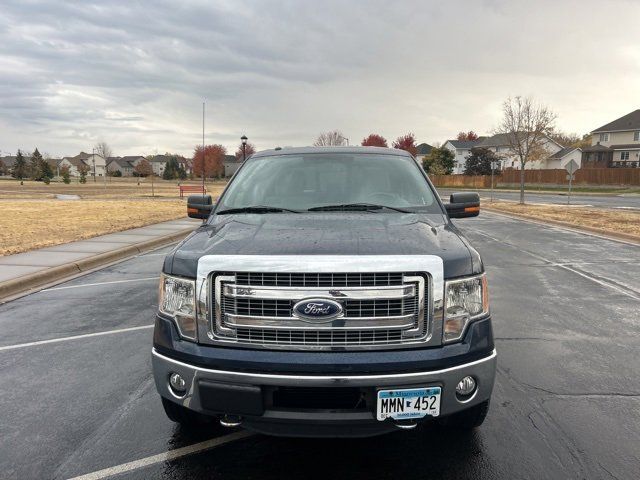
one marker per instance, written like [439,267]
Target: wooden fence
[466,181]
[584,176]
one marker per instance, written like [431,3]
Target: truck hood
[335,233]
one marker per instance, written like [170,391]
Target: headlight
[177,300]
[464,300]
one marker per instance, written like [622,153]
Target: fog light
[466,386]
[177,383]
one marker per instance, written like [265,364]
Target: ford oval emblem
[317,309]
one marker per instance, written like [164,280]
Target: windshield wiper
[256,209]
[355,207]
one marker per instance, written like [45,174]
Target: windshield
[301,182]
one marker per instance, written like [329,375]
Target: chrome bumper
[482,370]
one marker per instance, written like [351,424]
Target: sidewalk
[26,271]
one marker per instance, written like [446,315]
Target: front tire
[467,419]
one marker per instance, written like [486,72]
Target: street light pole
[244,139]
[93,158]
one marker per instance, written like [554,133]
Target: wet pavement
[624,201]
[566,312]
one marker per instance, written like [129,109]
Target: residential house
[159,163]
[499,143]
[424,149]
[94,164]
[562,157]
[231,165]
[461,149]
[186,164]
[125,165]
[616,144]
[10,160]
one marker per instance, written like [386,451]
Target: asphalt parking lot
[78,396]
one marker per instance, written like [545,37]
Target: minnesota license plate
[402,404]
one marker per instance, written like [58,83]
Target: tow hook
[406,424]
[231,421]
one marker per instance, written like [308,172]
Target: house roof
[424,149]
[630,121]
[76,162]
[502,140]
[159,159]
[626,146]
[596,148]
[466,144]
[564,152]
[122,162]
[82,156]
[497,140]
[10,160]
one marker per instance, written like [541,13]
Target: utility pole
[93,158]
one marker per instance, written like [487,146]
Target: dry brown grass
[31,217]
[114,188]
[25,225]
[615,221]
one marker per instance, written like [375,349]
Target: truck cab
[326,293]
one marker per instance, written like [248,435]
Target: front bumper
[246,394]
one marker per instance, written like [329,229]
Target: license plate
[401,404]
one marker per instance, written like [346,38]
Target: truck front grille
[379,309]
[374,279]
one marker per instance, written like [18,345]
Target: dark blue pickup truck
[327,293]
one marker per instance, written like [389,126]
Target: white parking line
[74,337]
[164,457]
[100,283]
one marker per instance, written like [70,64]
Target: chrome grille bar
[242,306]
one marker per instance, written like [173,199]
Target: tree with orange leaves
[213,161]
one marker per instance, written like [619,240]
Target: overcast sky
[135,73]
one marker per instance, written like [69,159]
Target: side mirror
[199,206]
[463,205]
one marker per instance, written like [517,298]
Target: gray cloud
[135,73]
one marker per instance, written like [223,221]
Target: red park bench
[192,189]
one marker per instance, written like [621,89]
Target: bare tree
[334,137]
[104,150]
[526,126]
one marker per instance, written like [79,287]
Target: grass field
[113,188]
[31,217]
[616,221]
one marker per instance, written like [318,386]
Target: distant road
[621,201]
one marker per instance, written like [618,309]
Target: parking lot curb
[23,285]
[580,228]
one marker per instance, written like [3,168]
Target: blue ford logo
[317,309]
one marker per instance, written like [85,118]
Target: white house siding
[459,156]
[510,160]
[634,155]
[158,168]
[100,165]
[73,171]
[615,138]
[575,155]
